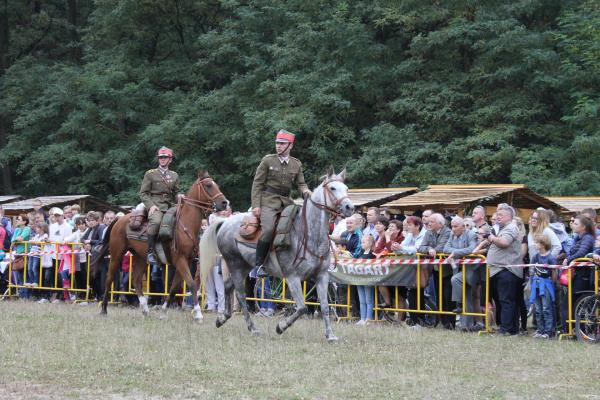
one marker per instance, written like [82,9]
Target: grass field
[67,351]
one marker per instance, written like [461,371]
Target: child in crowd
[79,259]
[542,288]
[33,261]
[47,264]
[366,294]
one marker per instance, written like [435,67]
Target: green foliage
[399,92]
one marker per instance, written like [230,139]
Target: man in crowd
[479,219]
[505,251]
[274,178]
[372,215]
[434,241]
[461,243]
[425,218]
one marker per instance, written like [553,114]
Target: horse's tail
[100,250]
[209,248]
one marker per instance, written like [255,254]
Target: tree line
[401,93]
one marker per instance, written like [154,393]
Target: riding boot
[262,249]
[151,244]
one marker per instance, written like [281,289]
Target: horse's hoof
[278,329]
[332,339]
[219,323]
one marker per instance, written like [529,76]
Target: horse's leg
[229,286]
[322,286]
[238,281]
[139,267]
[115,264]
[183,270]
[175,285]
[295,287]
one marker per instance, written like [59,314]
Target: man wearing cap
[159,191]
[273,181]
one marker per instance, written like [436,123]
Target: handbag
[564,276]
[18,264]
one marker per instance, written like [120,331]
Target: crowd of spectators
[516,286]
[505,240]
[56,245]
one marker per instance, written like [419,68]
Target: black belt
[284,193]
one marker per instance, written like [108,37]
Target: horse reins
[325,207]
[202,205]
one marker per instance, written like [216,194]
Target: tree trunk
[4,32]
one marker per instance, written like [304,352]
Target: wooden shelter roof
[10,198]
[376,197]
[577,203]
[464,196]
[86,202]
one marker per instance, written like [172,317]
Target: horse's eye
[332,189]
[208,186]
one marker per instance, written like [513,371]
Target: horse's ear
[330,171]
[202,173]
[343,175]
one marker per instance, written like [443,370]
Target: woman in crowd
[585,235]
[539,224]
[33,261]
[415,232]
[383,246]
[21,234]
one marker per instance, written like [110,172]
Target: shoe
[362,322]
[73,297]
[478,327]
[55,301]
[151,259]
[415,327]
[43,301]
[33,285]
[457,310]
[83,303]
[543,336]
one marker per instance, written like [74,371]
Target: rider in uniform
[159,191]
[273,181]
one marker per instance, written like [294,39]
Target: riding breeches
[268,217]
[154,222]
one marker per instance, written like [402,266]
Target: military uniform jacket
[159,189]
[273,182]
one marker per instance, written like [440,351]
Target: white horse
[308,257]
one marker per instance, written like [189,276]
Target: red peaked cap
[285,136]
[165,151]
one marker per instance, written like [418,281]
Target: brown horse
[200,200]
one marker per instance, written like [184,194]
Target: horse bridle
[203,205]
[333,209]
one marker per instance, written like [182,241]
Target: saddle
[250,229]
[137,229]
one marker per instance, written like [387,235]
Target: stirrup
[261,272]
[151,259]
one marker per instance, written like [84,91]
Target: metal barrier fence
[580,262]
[277,293]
